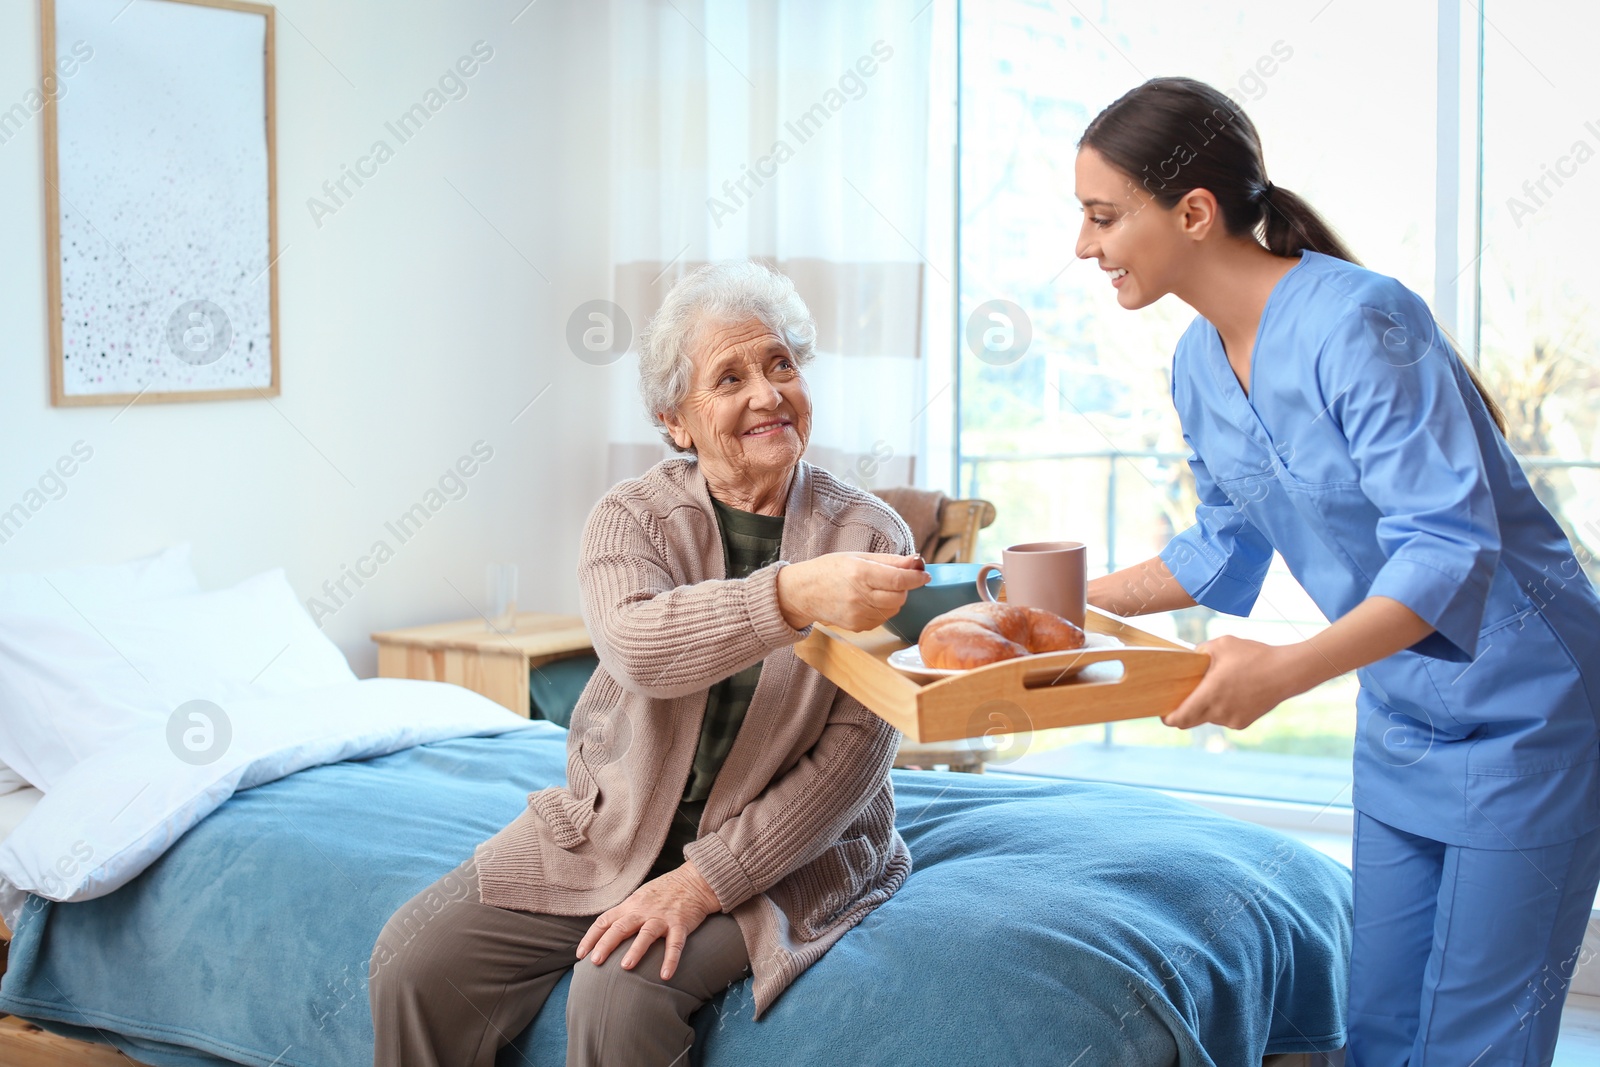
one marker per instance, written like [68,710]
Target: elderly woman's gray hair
[734,291]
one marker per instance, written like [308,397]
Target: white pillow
[72,687]
[66,592]
[95,586]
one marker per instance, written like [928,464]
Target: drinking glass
[501,594]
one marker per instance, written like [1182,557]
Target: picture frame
[160,200]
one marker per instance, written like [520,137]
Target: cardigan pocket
[567,816]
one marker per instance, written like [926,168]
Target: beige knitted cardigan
[798,838]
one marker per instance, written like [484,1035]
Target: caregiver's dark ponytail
[1292,224]
[1173,135]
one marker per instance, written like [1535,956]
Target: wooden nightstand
[469,654]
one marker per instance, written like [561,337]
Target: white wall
[410,328]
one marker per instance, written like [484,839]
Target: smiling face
[748,412]
[1143,248]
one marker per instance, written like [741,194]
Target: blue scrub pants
[1462,956]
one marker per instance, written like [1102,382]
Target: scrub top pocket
[1287,509]
[1338,513]
[1523,688]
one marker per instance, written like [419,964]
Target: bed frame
[23,1044]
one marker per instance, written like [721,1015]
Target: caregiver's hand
[850,590]
[671,907]
[1246,680]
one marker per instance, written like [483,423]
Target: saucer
[908,660]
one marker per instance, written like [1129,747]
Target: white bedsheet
[14,807]
[115,813]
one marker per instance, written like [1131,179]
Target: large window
[1075,437]
[1537,275]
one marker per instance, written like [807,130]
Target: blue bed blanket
[1044,922]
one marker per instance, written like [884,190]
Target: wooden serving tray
[1151,676]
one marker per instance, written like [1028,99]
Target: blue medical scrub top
[1366,458]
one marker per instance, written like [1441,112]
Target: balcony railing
[972,464]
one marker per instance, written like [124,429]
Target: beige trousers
[454,979]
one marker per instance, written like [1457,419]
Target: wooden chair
[959,523]
[946,529]
[956,541]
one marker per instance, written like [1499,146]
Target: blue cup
[951,585]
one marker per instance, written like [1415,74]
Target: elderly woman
[727,809]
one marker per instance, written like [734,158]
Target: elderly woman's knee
[609,990]
[426,932]
[593,984]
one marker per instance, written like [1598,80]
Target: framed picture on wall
[160,200]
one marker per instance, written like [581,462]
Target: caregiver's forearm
[1142,589]
[1374,629]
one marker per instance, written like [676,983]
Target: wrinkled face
[748,412]
[1140,245]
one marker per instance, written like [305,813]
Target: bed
[223,910]
[1044,921]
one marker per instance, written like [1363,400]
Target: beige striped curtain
[794,132]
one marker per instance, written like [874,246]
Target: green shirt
[749,542]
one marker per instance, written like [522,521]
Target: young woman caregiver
[1331,421]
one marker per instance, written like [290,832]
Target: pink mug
[1043,574]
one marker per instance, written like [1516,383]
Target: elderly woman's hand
[850,590]
[671,907]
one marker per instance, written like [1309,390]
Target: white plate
[908,660]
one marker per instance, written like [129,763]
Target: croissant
[974,635]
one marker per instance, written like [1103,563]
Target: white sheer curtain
[795,132]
